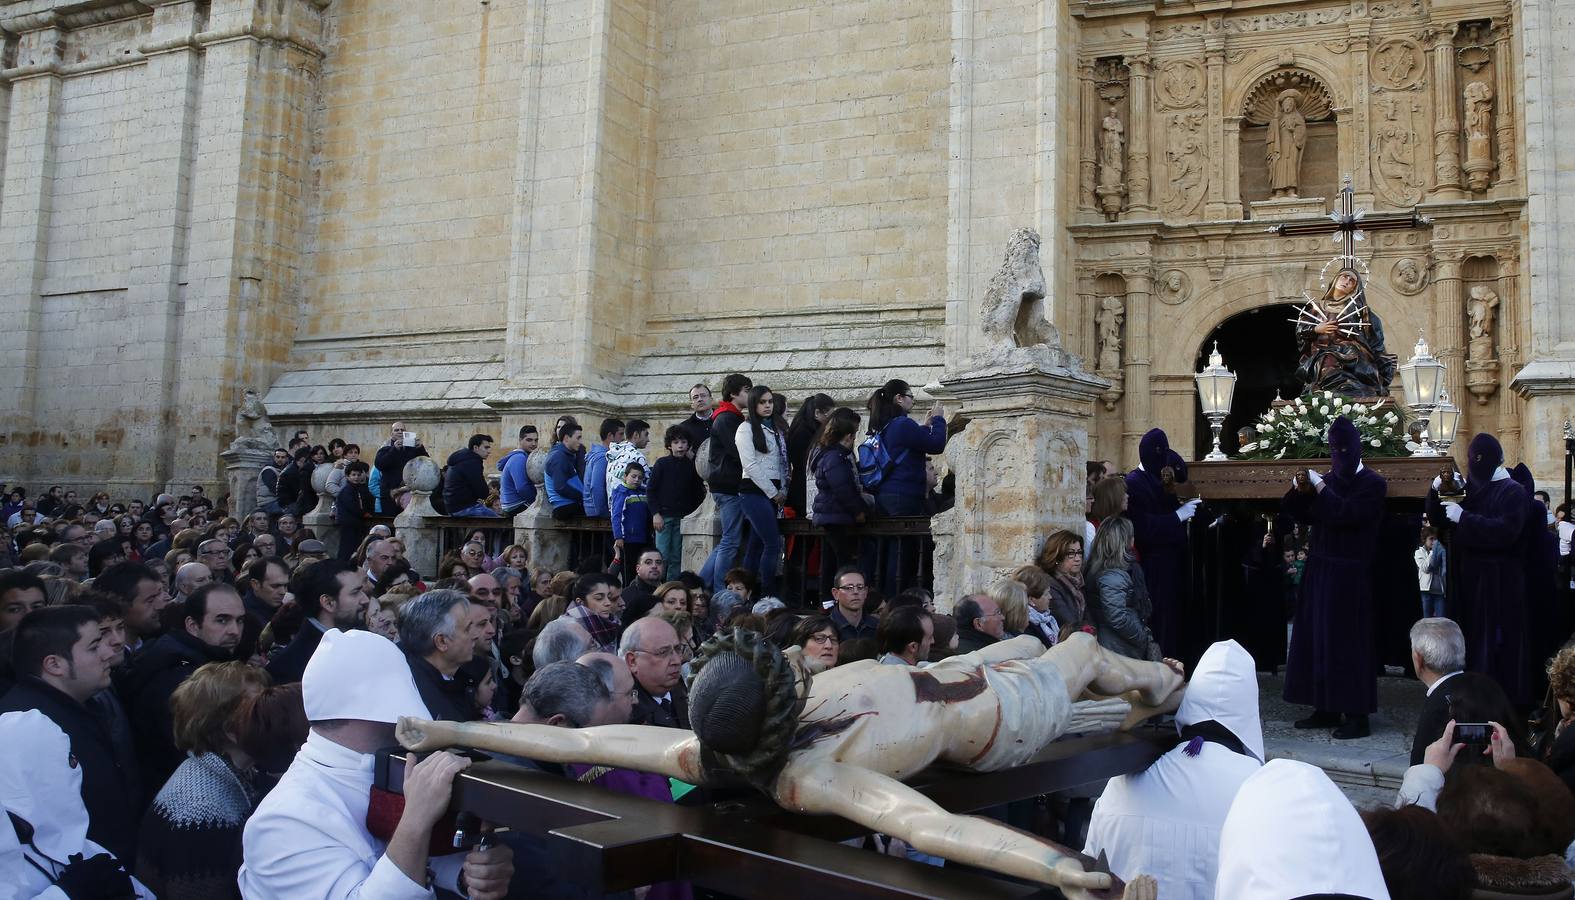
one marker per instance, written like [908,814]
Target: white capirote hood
[1290,833]
[359,675]
[1224,687]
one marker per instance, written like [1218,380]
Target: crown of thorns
[783,701]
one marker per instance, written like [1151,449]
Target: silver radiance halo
[1337,263]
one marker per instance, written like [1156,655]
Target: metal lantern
[1445,421]
[1216,386]
[1422,378]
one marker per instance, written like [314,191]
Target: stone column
[25,206]
[1446,119]
[537,531]
[1232,186]
[1510,354]
[241,467]
[419,524]
[1139,133]
[153,282]
[1547,383]
[1138,406]
[1215,206]
[1358,60]
[1019,468]
[1505,91]
[321,519]
[1087,130]
[1449,345]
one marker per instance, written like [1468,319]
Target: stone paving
[1368,769]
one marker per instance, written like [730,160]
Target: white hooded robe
[1165,821]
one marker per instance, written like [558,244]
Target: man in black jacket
[726,473]
[391,459]
[652,650]
[465,486]
[438,635]
[332,594]
[1438,654]
[214,617]
[979,623]
[62,660]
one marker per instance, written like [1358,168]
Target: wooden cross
[1350,225]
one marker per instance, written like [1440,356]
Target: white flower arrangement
[1300,428]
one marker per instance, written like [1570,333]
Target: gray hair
[425,617]
[765,605]
[567,689]
[1440,644]
[603,668]
[563,640]
[634,636]
[503,573]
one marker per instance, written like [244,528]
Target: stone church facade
[471,214]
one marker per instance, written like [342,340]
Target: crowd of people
[198,698]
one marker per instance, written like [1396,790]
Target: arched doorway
[1260,347]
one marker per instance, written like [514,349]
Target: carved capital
[1439,36]
[1141,64]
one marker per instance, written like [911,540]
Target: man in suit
[654,654]
[1438,653]
[332,594]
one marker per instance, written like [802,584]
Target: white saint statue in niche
[1286,140]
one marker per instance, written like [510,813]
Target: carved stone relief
[1396,150]
[1112,164]
[1180,84]
[1397,64]
[1174,287]
[1481,355]
[1185,165]
[1409,276]
[1107,323]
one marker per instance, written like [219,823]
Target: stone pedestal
[321,519]
[1020,471]
[241,466]
[537,531]
[419,524]
[702,529]
[1288,208]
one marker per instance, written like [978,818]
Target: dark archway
[1260,347]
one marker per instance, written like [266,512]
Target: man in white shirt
[1165,821]
[308,839]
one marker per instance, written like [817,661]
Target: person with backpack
[839,503]
[891,463]
[762,491]
[716,460]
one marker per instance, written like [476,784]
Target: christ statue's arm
[663,751]
[888,806]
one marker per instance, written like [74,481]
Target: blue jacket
[562,481]
[596,481]
[908,442]
[515,486]
[631,515]
[464,486]
[837,497]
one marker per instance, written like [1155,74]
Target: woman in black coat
[839,502]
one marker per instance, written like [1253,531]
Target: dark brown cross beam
[1351,224]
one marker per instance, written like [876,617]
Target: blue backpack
[875,461]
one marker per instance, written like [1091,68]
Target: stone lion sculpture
[1014,304]
[252,427]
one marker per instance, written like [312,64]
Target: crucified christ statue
[841,742]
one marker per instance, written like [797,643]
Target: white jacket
[1165,821]
[762,468]
[41,784]
[1424,578]
[308,838]
[1291,833]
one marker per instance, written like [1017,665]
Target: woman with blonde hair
[1119,595]
[189,847]
[1012,597]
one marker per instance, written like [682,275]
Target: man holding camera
[402,447]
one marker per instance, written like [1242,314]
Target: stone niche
[1317,168]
